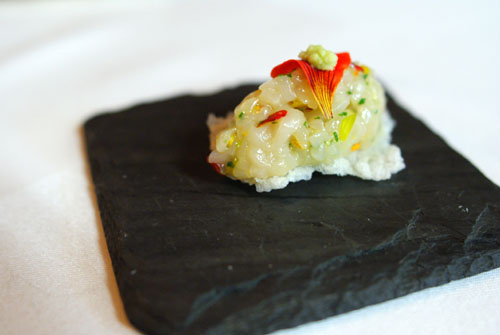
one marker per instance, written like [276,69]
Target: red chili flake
[358,68]
[273,117]
[217,167]
[322,83]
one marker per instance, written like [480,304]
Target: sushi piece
[319,113]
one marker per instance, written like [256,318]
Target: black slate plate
[197,253]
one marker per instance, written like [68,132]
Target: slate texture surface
[197,253]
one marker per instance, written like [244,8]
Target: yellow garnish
[346,126]
[256,108]
[356,146]
[297,103]
[366,69]
[231,140]
[296,143]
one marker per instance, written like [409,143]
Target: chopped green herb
[365,76]
[349,92]
[274,122]
[362,101]
[336,136]
[289,75]
[343,114]
[240,115]
[305,124]
[317,117]
[230,164]
[290,144]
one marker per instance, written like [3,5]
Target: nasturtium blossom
[323,83]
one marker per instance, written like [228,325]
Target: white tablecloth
[61,62]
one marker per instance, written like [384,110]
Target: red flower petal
[273,117]
[322,83]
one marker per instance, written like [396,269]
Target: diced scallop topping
[283,125]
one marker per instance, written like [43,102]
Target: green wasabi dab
[319,57]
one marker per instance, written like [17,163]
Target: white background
[62,62]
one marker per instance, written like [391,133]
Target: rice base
[356,141]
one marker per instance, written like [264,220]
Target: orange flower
[322,83]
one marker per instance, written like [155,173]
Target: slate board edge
[115,260]
[473,263]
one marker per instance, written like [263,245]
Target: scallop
[303,137]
